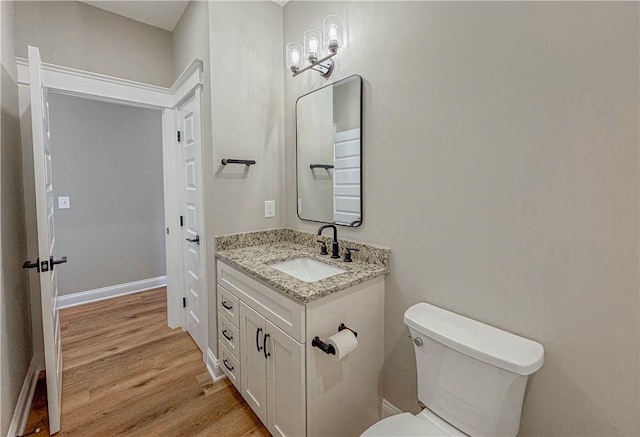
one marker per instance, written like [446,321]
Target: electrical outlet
[269,208]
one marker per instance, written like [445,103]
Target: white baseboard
[23,404]
[213,367]
[388,409]
[82,297]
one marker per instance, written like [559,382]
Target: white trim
[81,83]
[98,294]
[388,409]
[213,367]
[186,83]
[23,404]
[172,241]
[65,80]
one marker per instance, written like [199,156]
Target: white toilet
[471,377]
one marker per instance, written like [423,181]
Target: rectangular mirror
[328,153]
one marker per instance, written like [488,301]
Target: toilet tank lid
[475,339]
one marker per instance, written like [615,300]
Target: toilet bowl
[424,424]
[471,377]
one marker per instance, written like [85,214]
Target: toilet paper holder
[327,348]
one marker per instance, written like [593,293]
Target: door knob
[53,262]
[194,240]
[32,265]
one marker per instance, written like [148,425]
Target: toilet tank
[470,374]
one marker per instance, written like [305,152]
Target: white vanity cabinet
[269,371]
[272,369]
[295,389]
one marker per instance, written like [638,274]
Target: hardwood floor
[127,373]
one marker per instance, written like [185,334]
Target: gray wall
[501,167]
[189,39]
[247,100]
[245,43]
[15,324]
[108,159]
[74,34]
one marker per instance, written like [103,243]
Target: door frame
[94,86]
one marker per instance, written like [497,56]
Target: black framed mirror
[329,153]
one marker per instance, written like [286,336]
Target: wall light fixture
[318,48]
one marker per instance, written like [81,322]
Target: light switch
[269,208]
[64,202]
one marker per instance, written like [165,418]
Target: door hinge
[184,302]
[178,135]
[181,221]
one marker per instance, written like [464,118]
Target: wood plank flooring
[127,373]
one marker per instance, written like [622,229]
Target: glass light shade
[312,45]
[333,27]
[294,56]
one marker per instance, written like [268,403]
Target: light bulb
[313,47]
[333,33]
[294,51]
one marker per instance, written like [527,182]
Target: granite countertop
[256,260]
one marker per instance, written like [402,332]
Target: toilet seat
[424,424]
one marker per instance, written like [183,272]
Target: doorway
[108,198]
[36,80]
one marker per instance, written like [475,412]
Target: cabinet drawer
[283,312]
[230,365]
[228,305]
[229,335]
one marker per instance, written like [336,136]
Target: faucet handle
[347,254]
[323,248]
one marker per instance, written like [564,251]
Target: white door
[346,176]
[192,218]
[253,369]
[285,384]
[47,262]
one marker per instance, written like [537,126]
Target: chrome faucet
[334,245]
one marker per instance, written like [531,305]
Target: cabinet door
[285,384]
[253,369]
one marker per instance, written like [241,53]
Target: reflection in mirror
[328,153]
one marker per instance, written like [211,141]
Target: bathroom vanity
[267,320]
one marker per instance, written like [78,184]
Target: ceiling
[159,13]
[162,14]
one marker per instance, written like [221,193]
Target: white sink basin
[307,269]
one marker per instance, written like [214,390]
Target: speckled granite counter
[254,252]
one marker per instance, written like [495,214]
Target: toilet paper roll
[344,342]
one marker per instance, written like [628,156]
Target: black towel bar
[246,162]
